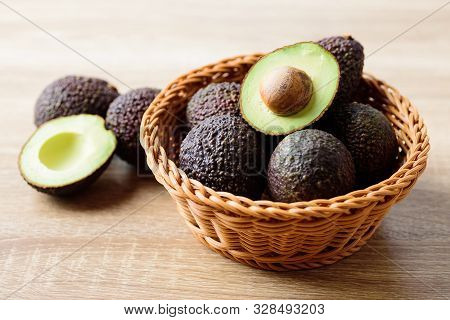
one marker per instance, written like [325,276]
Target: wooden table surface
[123,238]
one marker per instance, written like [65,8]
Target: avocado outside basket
[272,235]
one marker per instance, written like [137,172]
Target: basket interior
[173,128]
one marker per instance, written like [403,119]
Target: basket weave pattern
[272,235]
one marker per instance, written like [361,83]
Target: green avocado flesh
[319,64]
[66,152]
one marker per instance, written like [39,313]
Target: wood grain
[123,238]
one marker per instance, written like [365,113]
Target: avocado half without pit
[289,88]
[67,154]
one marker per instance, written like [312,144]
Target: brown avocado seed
[286,90]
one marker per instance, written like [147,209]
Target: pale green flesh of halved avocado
[66,150]
[319,64]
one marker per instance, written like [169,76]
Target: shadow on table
[365,275]
[384,267]
[116,185]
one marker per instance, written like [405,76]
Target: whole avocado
[225,154]
[124,119]
[73,95]
[213,100]
[310,164]
[350,55]
[369,137]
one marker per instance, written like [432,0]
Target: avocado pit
[286,90]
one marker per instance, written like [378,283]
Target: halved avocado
[67,154]
[289,88]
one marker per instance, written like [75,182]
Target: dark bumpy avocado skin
[310,164]
[213,100]
[350,55]
[124,119]
[368,136]
[73,95]
[225,154]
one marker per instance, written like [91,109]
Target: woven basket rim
[176,181]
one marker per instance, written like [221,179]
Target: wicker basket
[271,235]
